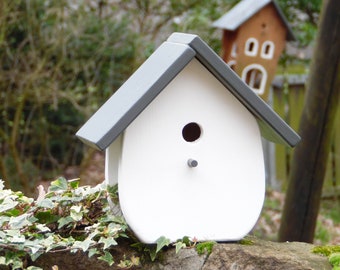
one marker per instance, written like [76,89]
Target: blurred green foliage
[58,63]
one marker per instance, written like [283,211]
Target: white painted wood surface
[160,195]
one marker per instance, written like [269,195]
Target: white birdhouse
[183,140]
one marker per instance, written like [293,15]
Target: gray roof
[156,73]
[244,10]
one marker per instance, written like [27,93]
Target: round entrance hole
[191,132]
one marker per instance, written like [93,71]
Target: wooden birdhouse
[183,140]
[254,35]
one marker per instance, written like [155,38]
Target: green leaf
[74,183]
[13,259]
[92,251]
[75,212]
[46,217]
[151,249]
[13,212]
[110,241]
[17,263]
[36,255]
[179,245]
[59,184]
[3,219]
[12,233]
[7,203]
[42,228]
[162,242]
[34,268]
[64,221]
[18,239]
[47,243]
[46,203]
[34,248]
[186,240]
[19,222]
[84,245]
[107,257]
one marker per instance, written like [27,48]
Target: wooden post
[316,128]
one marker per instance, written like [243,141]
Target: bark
[310,157]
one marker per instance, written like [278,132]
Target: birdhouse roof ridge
[246,9]
[156,73]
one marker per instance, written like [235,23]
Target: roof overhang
[156,73]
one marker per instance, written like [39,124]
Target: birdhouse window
[255,76]
[191,132]
[251,47]
[267,50]
[232,64]
[234,50]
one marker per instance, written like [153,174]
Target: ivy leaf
[179,245]
[152,252]
[84,245]
[13,259]
[17,263]
[3,219]
[47,243]
[110,241]
[46,217]
[107,257]
[12,233]
[46,203]
[34,246]
[75,212]
[18,239]
[74,183]
[42,228]
[13,212]
[34,268]
[162,242]
[7,203]
[64,221]
[19,222]
[59,184]
[36,255]
[92,251]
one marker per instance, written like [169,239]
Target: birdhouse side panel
[192,163]
[112,159]
[229,45]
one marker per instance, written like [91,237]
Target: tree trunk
[316,128]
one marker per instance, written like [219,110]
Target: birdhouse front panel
[192,163]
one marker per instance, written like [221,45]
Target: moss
[246,242]
[205,247]
[326,250]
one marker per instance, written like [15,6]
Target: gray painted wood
[156,73]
